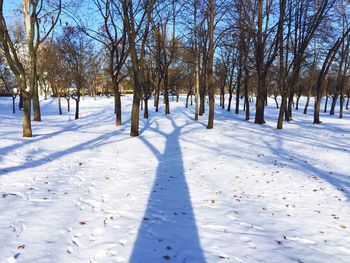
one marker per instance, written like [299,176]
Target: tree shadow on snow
[168,230]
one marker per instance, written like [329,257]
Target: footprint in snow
[251,245]
[18,227]
[245,239]
[249,242]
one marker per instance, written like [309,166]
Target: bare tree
[35,13]
[135,28]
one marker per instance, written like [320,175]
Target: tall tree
[37,14]
[134,29]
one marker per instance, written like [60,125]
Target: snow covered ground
[84,191]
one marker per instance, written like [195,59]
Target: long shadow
[168,231]
[338,180]
[99,141]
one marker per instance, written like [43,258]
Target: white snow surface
[85,191]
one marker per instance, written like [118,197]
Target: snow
[85,191]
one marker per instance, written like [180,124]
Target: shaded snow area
[84,191]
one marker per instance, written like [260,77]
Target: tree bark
[260,101]
[13,105]
[246,94]
[27,128]
[334,103]
[36,106]
[59,105]
[145,113]
[341,106]
[210,66]
[307,100]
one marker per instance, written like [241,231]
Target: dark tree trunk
[27,128]
[77,108]
[276,101]
[341,106]
[297,103]
[210,66]
[289,112]
[166,91]
[222,99]
[21,102]
[117,102]
[202,101]
[260,102]
[246,95]
[59,105]
[118,113]
[229,101]
[166,102]
[36,104]
[68,104]
[238,89]
[13,104]
[187,97]
[326,104]
[156,98]
[334,103]
[282,111]
[307,101]
[145,113]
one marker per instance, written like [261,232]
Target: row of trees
[263,48]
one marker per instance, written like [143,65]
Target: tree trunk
[210,66]
[117,102]
[21,102]
[59,105]
[260,101]
[13,105]
[118,112]
[317,105]
[282,111]
[341,106]
[334,103]
[289,112]
[135,111]
[77,108]
[238,90]
[246,95]
[36,105]
[156,100]
[229,101]
[27,128]
[326,103]
[297,103]
[166,102]
[187,97]
[68,104]
[307,101]
[222,100]
[276,101]
[201,101]
[145,113]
